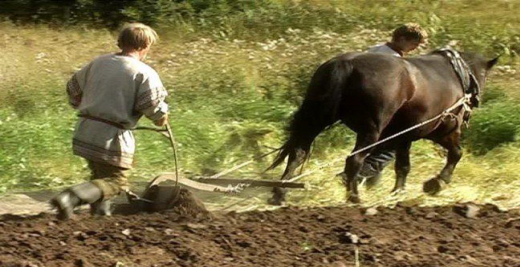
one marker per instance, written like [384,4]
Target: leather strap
[115,124]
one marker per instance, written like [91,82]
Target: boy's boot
[66,201]
[102,208]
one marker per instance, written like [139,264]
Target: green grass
[234,81]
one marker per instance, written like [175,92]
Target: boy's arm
[150,100]
[158,114]
[74,91]
[76,84]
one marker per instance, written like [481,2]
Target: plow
[163,191]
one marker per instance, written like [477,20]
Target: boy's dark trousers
[374,165]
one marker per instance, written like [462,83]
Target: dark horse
[376,96]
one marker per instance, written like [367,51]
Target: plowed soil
[400,236]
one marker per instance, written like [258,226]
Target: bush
[492,125]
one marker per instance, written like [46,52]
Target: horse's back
[437,84]
[379,85]
[383,90]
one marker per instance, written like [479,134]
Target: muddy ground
[401,236]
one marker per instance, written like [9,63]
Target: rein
[467,79]
[471,91]
[464,101]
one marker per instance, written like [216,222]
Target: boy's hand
[162,121]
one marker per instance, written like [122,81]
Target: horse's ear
[492,62]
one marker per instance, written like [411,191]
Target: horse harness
[469,83]
[467,78]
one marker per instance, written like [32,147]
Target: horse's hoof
[433,186]
[275,201]
[354,199]
[343,177]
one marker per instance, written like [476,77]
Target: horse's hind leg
[452,143]
[402,165]
[355,162]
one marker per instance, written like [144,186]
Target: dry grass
[231,98]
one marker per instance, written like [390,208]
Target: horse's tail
[320,108]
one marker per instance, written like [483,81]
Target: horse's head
[479,65]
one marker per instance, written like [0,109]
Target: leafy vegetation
[236,70]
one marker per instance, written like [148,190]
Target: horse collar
[466,77]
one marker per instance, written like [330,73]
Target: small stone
[80,235]
[169,231]
[349,238]
[470,260]
[38,232]
[338,264]
[467,210]
[371,212]
[62,243]
[126,232]
[29,264]
[472,211]
[431,215]
[196,226]
[400,256]
[364,241]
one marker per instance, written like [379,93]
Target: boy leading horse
[377,96]
[405,39]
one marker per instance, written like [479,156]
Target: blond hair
[410,31]
[136,36]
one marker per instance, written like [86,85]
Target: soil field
[461,235]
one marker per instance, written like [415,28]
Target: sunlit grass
[231,98]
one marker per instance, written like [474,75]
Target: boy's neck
[395,47]
[135,54]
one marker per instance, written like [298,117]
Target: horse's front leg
[296,158]
[402,166]
[452,143]
[354,164]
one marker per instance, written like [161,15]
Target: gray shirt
[116,89]
[384,49]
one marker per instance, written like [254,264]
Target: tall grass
[234,81]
